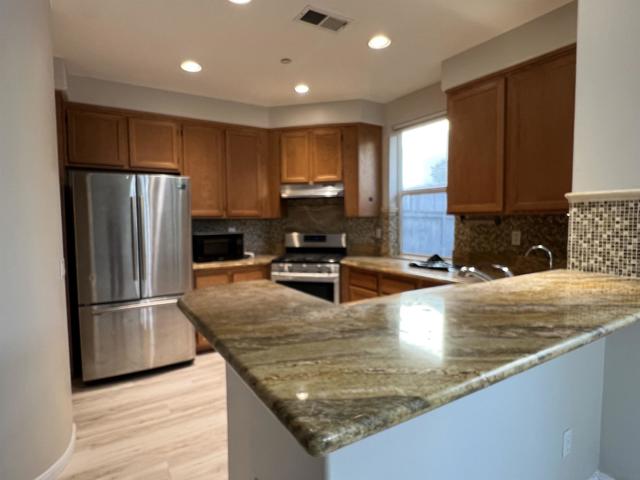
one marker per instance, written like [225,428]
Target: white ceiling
[142,42]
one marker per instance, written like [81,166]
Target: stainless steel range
[311,264]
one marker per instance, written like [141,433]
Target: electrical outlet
[232,229]
[567,443]
[378,233]
[516,238]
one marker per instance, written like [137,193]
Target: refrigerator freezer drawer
[126,338]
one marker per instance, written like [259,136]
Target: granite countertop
[258,260]
[399,266]
[334,374]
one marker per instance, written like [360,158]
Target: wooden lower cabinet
[392,284]
[221,276]
[357,293]
[363,284]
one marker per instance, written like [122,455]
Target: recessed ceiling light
[240,2]
[302,88]
[190,66]
[379,42]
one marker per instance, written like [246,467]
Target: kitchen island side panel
[513,429]
[259,446]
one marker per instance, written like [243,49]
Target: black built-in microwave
[213,247]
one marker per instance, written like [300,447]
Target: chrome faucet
[545,250]
[474,272]
[504,269]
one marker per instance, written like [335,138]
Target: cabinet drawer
[363,279]
[357,293]
[390,284]
[209,279]
[248,275]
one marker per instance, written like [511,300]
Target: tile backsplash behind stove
[301,215]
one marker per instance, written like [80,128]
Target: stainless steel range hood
[312,191]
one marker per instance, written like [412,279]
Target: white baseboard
[55,470]
[600,476]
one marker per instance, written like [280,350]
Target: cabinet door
[210,278]
[361,158]
[246,150]
[390,284]
[203,156]
[246,275]
[357,293]
[363,279]
[154,144]
[476,148]
[294,154]
[97,139]
[326,155]
[540,113]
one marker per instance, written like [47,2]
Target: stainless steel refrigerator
[133,261]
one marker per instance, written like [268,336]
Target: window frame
[415,191]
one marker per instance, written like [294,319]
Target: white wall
[121,95]
[114,94]
[620,414]
[544,34]
[331,112]
[35,393]
[414,107]
[60,74]
[607,140]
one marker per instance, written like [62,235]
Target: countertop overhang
[336,374]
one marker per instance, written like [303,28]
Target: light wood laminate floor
[168,425]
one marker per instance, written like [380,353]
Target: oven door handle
[305,277]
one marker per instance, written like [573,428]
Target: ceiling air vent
[325,20]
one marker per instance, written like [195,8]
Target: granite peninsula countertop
[334,374]
[258,260]
[400,266]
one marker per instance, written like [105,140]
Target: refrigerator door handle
[101,310]
[143,239]
[134,240]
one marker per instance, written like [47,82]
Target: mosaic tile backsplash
[301,215]
[604,236]
[481,242]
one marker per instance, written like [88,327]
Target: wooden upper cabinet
[203,157]
[96,138]
[326,155]
[361,158]
[154,144]
[476,147]
[246,150]
[295,157]
[540,117]
[311,155]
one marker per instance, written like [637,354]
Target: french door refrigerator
[133,261]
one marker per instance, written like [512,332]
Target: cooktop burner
[309,258]
[314,248]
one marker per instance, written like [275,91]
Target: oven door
[321,285]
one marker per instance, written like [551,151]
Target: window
[425,227]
